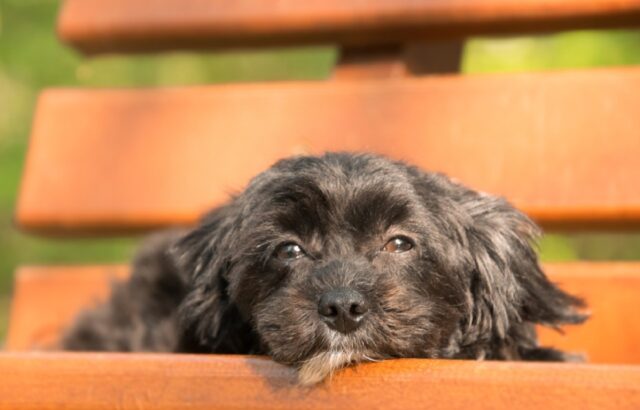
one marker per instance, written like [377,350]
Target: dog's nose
[343,309]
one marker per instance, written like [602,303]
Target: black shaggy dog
[326,261]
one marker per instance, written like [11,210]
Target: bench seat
[47,298]
[157,382]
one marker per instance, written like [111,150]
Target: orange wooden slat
[612,292]
[47,299]
[562,146]
[134,25]
[150,381]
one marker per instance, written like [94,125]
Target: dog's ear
[204,255]
[508,285]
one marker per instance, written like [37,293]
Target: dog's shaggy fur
[444,272]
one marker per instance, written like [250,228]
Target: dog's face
[346,258]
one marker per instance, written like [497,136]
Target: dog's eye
[289,251]
[398,244]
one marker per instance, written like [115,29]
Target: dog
[326,261]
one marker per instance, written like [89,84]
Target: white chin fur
[322,365]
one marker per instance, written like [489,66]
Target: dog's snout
[343,309]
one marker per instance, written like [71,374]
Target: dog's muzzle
[343,309]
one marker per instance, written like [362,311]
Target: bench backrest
[562,146]
[95,26]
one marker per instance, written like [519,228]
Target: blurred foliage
[576,49]
[31,58]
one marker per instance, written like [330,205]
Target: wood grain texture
[612,292]
[47,299]
[149,381]
[94,26]
[561,146]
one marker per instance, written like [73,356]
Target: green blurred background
[31,58]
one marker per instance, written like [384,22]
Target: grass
[31,58]
[4,315]
[575,49]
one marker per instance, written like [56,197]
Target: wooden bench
[562,146]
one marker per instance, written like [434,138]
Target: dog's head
[344,258]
